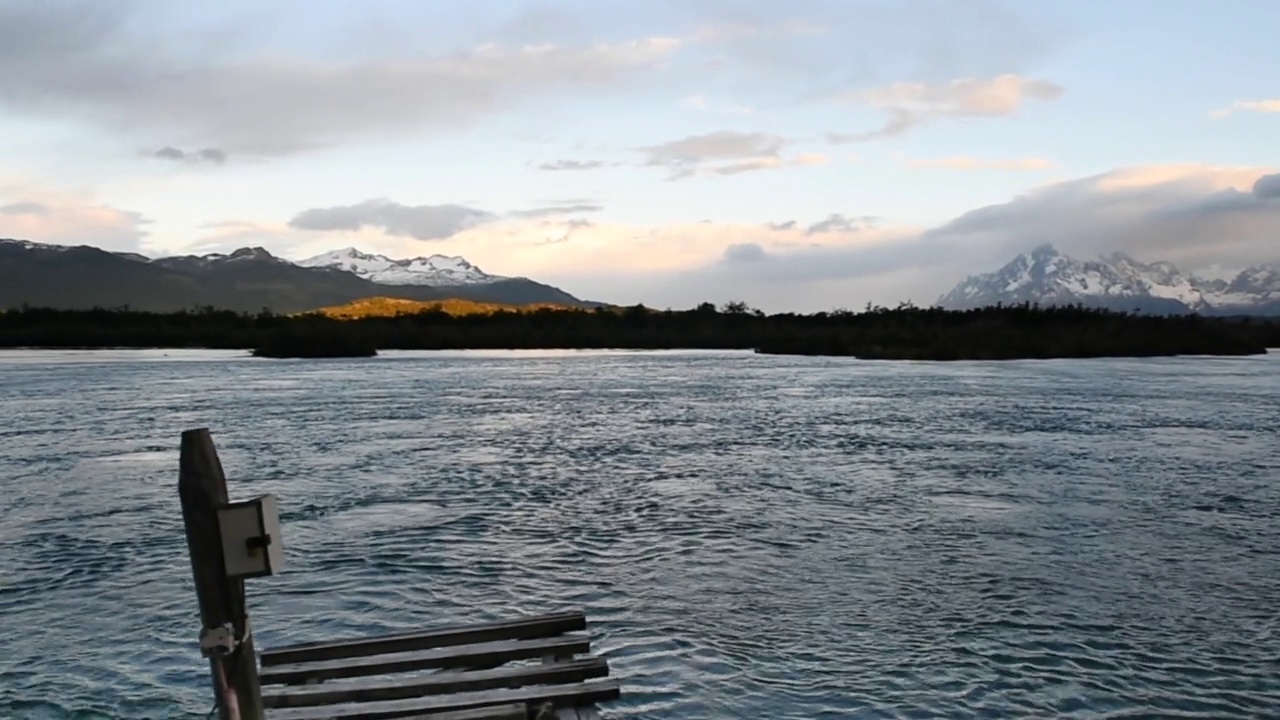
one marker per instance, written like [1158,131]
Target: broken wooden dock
[522,668]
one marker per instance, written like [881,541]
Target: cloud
[909,105]
[488,244]
[1260,106]
[105,63]
[806,49]
[67,219]
[1263,197]
[25,208]
[556,210]
[744,253]
[720,145]
[1267,187]
[724,152]
[421,222]
[845,261]
[1192,215]
[839,223]
[564,230]
[211,155]
[560,165]
[961,162]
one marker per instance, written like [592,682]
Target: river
[751,536]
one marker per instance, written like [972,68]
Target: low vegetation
[391,307]
[879,333]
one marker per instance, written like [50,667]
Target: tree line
[904,332]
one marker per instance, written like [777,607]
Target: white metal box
[251,542]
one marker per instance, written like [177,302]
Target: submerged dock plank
[463,656]
[526,628]
[562,695]
[437,684]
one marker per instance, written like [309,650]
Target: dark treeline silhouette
[330,346]
[907,332]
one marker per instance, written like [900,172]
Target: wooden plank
[528,628]
[562,695]
[514,711]
[437,684]
[202,489]
[462,656]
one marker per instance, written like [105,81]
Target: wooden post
[203,489]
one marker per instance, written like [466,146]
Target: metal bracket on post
[222,640]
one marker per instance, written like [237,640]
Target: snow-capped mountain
[1048,277]
[432,270]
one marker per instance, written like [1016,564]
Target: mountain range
[1118,282]
[251,279]
[247,280]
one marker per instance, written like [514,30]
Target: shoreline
[907,333]
[546,352]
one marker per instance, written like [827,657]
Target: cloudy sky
[798,155]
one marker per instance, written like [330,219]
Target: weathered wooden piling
[203,489]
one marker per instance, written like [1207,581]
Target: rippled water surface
[754,537]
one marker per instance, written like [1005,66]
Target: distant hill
[1117,282]
[247,280]
[391,307]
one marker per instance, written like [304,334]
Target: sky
[798,156]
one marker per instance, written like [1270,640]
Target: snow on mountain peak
[430,270]
[1046,276]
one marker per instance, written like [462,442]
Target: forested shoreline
[905,332]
